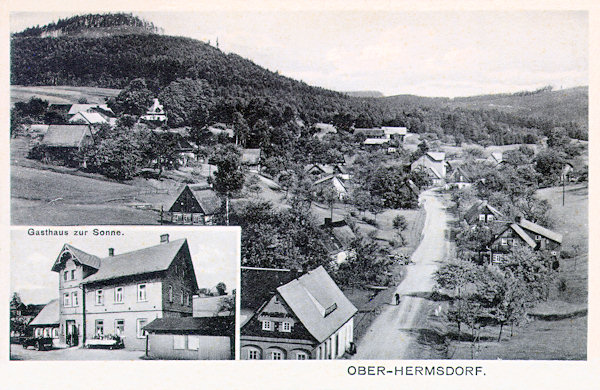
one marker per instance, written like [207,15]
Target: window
[119,295]
[99,328]
[66,276]
[38,332]
[276,355]
[55,333]
[196,218]
[140,323]
[193,343]
[285,327]
[253,354]
[187,218]
[119,327]
[504,241]
[301,356]
[267,325]
[66,300]
[75,298]
[72,274]
[170,293]
[490,218]
[141,293]
[182,298]
[177,217]
[178,341]
[99,297]
[187,299]
[482,217]
[496,258]
[538,237]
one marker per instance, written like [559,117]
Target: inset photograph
[123,293]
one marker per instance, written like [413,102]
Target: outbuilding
[191,338]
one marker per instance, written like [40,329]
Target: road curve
[389,335]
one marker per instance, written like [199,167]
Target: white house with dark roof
[434,165]
[156,112]
[308,317]
[119,294]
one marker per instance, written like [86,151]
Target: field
[61,94]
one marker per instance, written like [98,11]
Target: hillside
[111,51]
[372,94]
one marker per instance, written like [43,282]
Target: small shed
[191,338]
[46,323]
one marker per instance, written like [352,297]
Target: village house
[46,323]
[341,237]
[395,133]
[191,338]
[251,159]
[308,317]
[194,205]
[322,129]
[318,170]
[91,117]
[459,175]
[522,232]
[102,298]
[221,129]
[433,163]
[87,107]
[63,143]
[156,113]
[375,143]
[484,213]
[335,182]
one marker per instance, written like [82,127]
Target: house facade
[193,206]
[46,323]
[484,213]
[306,318]
[522,232]
[156,112]
[62,143]
[118,295]
[433,163]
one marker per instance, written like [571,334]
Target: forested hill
[91,25]
[198,83]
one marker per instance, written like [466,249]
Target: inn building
[119,294]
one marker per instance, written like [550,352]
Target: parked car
[39,343]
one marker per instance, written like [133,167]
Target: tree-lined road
[389,335]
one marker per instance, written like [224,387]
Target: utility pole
[563,191]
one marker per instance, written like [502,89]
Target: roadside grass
[538,340]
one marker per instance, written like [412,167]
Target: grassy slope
[61,94]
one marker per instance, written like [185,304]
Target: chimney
[111,252]
[164,238]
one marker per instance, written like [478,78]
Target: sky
[215,254]
[426,53]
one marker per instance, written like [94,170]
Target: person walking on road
[397,297]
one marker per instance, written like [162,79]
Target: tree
[533,268]
[287,180]
[361,200]
[116,154]
[187,102]
[221,288]
[399,222]
[253,185]
[162,150]
[329,196]
[549,163]
[134,99]
[229,177]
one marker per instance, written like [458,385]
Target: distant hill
[91,25]
[370,94]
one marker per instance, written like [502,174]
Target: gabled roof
[48,316]
[437,156]
[542,231]
[204,326]
[79,256]
[335,181]
[142,261]
[475,210]
[412,186]
[66,135]
[521,233]
[318,303]
[206,198]
[89,117]
[325,168]
[251,156]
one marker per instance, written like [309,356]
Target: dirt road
[390,334]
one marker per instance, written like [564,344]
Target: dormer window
[482,217]
[285,327]
[267,325]
[490,218]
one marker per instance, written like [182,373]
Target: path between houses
[391,333]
